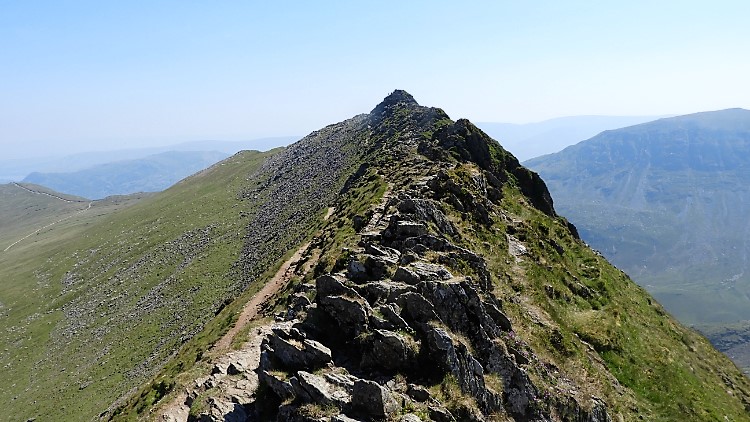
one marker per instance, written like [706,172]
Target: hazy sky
[105,74]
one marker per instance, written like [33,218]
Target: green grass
[141,280]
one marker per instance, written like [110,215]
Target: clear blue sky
[108,74]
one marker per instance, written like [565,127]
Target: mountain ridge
[443,286]
[435,213]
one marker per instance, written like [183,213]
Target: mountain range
[667,201]
[148,174]
[398,265]
[16,169]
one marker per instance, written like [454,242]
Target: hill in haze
[398,265]
[15,169]
[149,174]
[667,201]
[531,140]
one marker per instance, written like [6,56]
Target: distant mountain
[668,202]
[150,174]
[530,140]
[14,170]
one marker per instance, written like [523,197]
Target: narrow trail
[378,219]
[177,409]
[253,306]
[50,224]
[276,283]
[36,192]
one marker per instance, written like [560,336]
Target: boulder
[294,354]
[313,388]
[235,368]
[333,285]
[461,307]
[438,414]
[404,229]
[388,350]
[427,210]
[440,350]
[406,275]
[223,411]
[417,308]
[392,314]
[282,388]
[371,399]
[417,393]
[352,315]
[378,267]
[389,254]
[356,270]
[384,290]
[344,381]
[219,368]
[427,271]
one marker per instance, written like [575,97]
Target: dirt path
[45,193]
[50,224]
[249,354]
[276,283]
[253,306]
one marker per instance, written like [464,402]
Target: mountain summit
[398,265]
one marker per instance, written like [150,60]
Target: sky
[97,75]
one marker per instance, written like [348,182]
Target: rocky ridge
[381,334]
[461,295]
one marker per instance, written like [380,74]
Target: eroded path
[232,371]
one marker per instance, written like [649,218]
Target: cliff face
[445,287]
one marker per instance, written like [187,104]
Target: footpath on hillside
[244,360]
[54,222]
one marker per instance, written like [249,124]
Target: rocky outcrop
[403,328]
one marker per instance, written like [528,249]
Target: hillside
[444,286]
[91,307]
[667,202]
[149,174]
[25,208]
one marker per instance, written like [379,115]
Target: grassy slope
[22,212]
[126,277]
[670,372]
